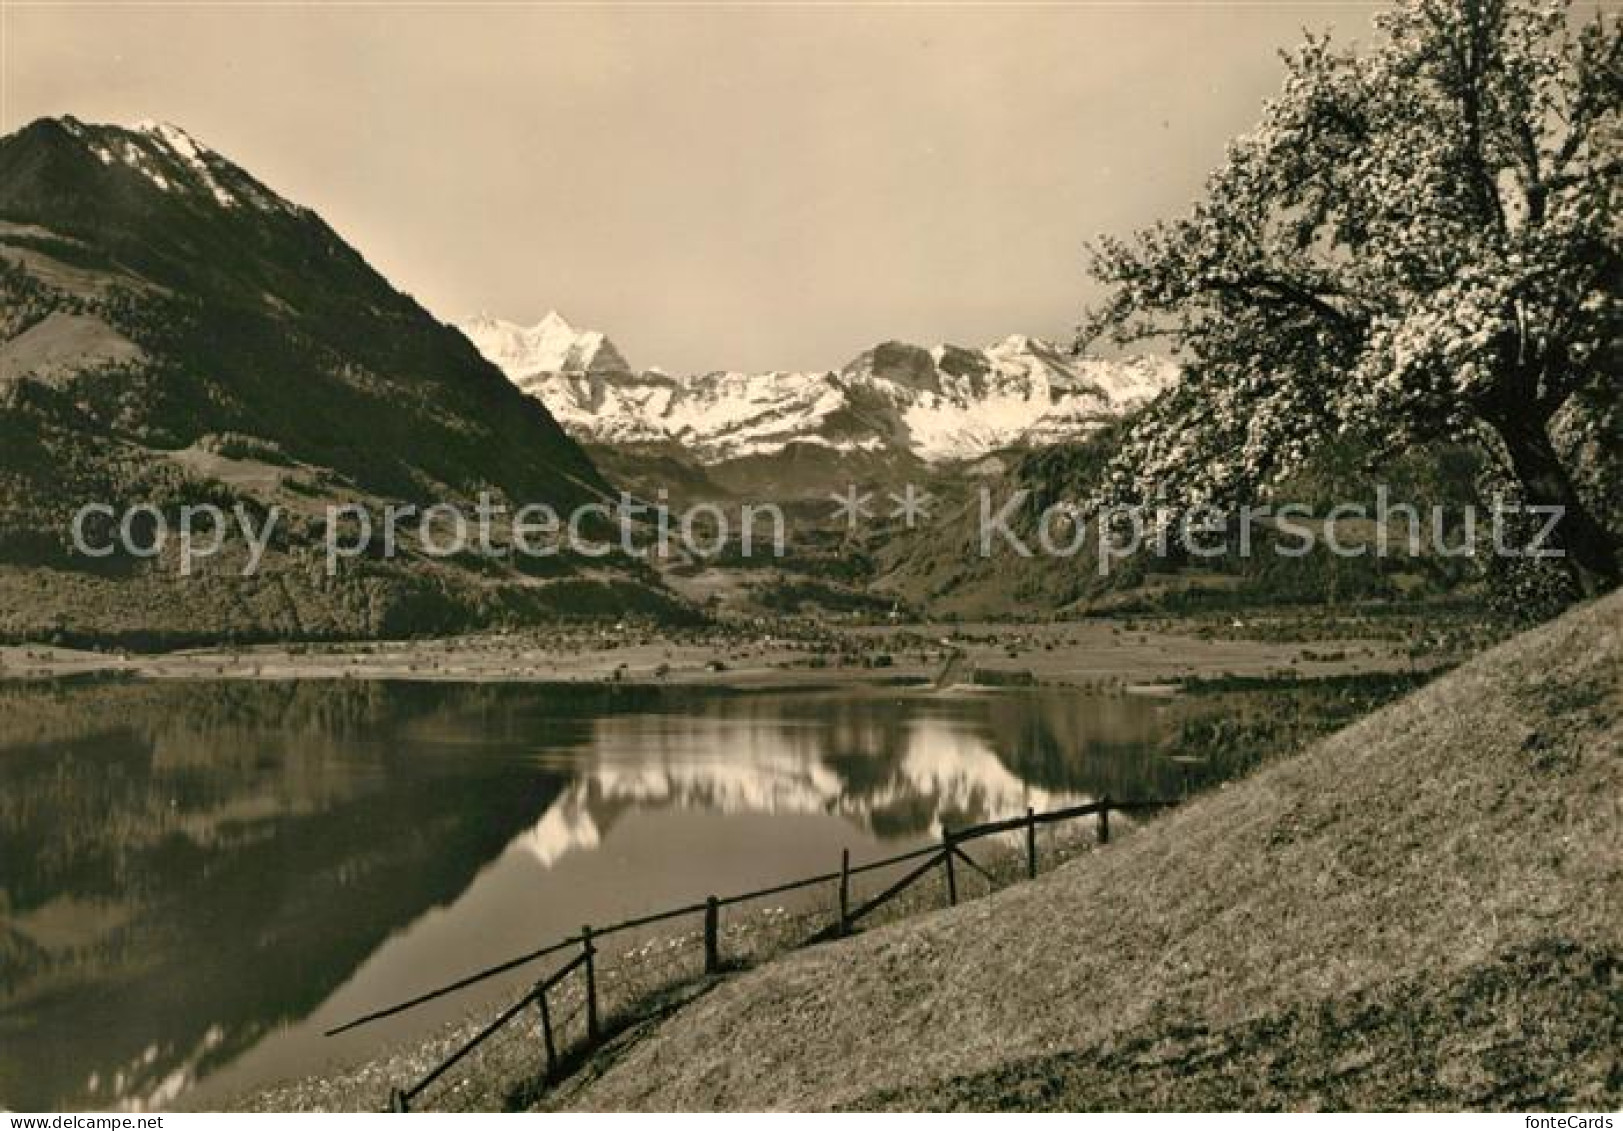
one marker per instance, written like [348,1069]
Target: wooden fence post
[546,1032]
[591,984]
[952,876]
[397,1101]
[845,891]
[712,935]
[1031,843]
[1104,820]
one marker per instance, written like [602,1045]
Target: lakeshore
[1409,913]
[1122,653]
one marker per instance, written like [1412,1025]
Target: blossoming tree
[1421,240]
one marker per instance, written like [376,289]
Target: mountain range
[174,331]
[937,404]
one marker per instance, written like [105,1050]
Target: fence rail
[947,855]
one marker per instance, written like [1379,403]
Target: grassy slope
[1425,909]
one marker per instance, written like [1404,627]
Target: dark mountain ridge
[295,336]
[174,330]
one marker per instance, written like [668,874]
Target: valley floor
[1105,654]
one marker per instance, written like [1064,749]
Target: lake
[196,879]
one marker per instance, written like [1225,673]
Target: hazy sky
[737,187]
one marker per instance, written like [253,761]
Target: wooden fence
[948,855]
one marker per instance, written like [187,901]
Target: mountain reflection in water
[197,878]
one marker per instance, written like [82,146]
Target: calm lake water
[197,878]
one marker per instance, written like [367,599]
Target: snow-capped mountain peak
[945,402]
[551,346]
[176,163]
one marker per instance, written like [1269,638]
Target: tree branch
[1261,288]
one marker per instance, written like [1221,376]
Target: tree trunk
[1590,557]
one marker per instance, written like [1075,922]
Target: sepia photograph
[819,556]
